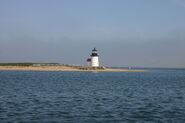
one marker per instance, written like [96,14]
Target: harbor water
[157,96]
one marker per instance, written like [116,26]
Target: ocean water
[92,97]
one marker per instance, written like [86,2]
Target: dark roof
[89,60]
[94,49]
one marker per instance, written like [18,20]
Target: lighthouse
[94,58]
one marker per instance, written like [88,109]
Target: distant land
[59,67]
[27,64]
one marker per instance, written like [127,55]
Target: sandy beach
[63,68]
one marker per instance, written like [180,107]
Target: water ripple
[54,97]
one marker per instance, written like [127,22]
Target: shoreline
[62,68]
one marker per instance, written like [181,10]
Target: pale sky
[145,33]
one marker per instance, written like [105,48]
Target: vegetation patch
[26,64]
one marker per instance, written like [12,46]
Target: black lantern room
[94,52]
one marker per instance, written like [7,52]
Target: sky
[141,33]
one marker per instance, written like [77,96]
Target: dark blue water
[86,97]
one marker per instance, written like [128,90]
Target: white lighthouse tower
[94,58]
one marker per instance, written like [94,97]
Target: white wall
[94,61]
